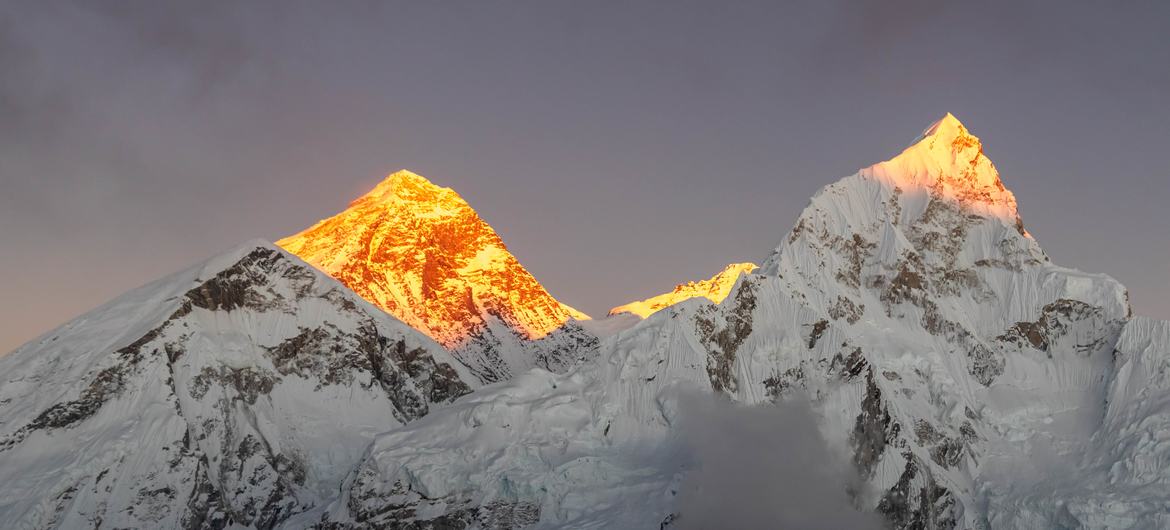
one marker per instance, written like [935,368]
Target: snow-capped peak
[937,216]
[948,124]
[948,160]
[420,252]
[406,186]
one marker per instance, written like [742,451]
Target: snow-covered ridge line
[235,393]
[714,289]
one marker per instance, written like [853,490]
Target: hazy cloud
[762,467]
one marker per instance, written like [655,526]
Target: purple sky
[618,148]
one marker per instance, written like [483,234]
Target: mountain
[907,357]
[714,289]
[238,392]
[422,254]
[966,380]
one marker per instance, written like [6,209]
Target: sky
[618,148]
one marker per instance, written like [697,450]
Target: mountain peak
[948,161]
[949,141]
[406,186]
[410,179]
[942,192]
[948,125]
[421,253]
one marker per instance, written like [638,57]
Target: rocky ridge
[236,393]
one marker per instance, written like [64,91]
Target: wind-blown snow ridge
[714,289]
[421,253]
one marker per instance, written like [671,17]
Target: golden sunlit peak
[406,185]
[947,161]
[949,125]
[948,137]
[408,177]
[714,289]
[422,254]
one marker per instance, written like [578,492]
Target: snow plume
[761,467]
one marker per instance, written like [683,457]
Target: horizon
[615,154]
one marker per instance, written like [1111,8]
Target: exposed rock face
[422,254]
[244,390]
[936,341]
[722,332]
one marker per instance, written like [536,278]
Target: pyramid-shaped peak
[947,123]
[420,252]
[947,130]
[949,161]
[953,150]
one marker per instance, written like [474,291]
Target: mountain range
[908,357]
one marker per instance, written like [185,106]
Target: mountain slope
[237,392]
[714,289]
[422,254]
[969,381]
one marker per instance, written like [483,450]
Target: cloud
[762,467]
